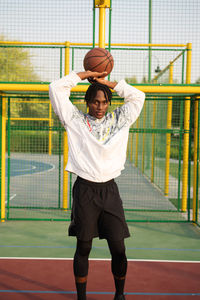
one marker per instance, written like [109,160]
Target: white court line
[29,169]
[39,172]
[103,259]
[12,197]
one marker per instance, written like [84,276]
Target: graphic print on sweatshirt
[104,129]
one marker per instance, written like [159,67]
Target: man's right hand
[96,76]
[87,74]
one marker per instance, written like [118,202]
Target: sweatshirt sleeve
[133,98]
[59,92]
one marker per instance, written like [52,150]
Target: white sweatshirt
[97,147]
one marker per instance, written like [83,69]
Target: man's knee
[117,249]
[84,248]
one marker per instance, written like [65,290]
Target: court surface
[36,257]
[36,262]
[52,279]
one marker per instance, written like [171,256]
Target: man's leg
[119,266]
[81,267]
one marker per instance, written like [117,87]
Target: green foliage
[34,141]
[198,81]
[131,80]
[15,65]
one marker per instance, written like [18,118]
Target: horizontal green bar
[159,97]
[61,129]
[150,210]
[25,93]
[68,210]
[33,46]
[79,96]
[156,130]
[127,220]
[39,207]
[147,49]
[42,128]
[134,48]
[159,221]
[39,219]
[31,96]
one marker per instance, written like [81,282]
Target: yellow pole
[186,128]
[3,159]
[102,5]
[102,23]
[98,3]
[196,108]
[65,142]
[50,131]
[168,135]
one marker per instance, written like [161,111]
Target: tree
[198,81]
[16,66]
[131,80]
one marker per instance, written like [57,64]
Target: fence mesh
[32,49]
[35,161]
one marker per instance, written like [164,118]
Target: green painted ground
[162,241]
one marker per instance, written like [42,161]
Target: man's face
[98,106]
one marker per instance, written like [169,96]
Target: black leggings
[117,250]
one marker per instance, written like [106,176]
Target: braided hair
[92,91]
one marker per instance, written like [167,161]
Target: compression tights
[118,265]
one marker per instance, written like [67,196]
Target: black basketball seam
[110,61]
[100,50]
[99,64]
[107,65]
[95,56]
[104,54]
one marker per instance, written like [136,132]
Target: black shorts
[97,211]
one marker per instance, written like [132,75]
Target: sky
[173,21]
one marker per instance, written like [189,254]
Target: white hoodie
[97,147]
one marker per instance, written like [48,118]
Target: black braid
[92,91]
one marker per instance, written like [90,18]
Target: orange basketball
[98,60]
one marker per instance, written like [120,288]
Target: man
[97,154]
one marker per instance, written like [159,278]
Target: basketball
[98,60]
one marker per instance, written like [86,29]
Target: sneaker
[119,297]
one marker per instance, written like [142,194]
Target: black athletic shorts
[97,211]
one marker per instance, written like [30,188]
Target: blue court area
[31,182]
[19,167]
